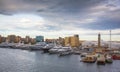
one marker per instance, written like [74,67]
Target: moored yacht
[55,49]
[47,47]
[37,46]
[101,59]
[65,51]
[89,59]
[116,56]
[109,58]
[6,45]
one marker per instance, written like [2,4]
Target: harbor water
[16,60]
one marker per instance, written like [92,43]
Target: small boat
[116,57]
[83,54]
[109,59]
[89,59]
[101,60]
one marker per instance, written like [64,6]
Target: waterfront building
[17,39]
[61,41]
[3,39]
[73,41]
[50,40]
[33,41]
[39,38]
[27,39]
[22,40]
[67,41]
[11,38]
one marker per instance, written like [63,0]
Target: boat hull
[101,62]
[89,61]
[45,50]
[64,53]
[109,61]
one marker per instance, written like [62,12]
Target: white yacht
[37,46]
[54,49]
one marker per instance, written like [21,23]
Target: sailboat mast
[110,38]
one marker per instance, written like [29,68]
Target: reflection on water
[13,60]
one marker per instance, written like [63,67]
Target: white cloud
[21,21]
[24,20]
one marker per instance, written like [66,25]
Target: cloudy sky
[54,18]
